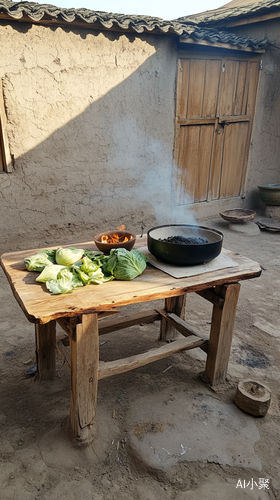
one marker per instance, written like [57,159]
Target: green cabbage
[49,273]
[68,256]
[124,264]
[39,260]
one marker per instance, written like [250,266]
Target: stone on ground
[175,427]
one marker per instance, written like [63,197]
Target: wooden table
[81,314]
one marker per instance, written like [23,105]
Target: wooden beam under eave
[218,45]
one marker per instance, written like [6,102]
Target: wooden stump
[253,397]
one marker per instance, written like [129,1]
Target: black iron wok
[182,254]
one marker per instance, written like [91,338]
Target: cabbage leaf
[65,282]
[90,272]
[92,253]
[68,256]
[38,261]
[89,266]
[97,277]
[49,273]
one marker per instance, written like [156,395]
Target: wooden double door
[215,107]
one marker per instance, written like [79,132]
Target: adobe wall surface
[264,167]
[91,128]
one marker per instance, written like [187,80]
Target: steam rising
[150,176]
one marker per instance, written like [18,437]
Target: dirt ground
[38,461]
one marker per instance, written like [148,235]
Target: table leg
[84,355]
[175,305]
[221,333]
[45,350]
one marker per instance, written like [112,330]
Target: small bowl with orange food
[105,242]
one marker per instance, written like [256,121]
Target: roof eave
[48,15]
[231,22]
[49,21]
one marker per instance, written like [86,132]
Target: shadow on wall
[108,165]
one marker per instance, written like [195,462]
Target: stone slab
[191,427]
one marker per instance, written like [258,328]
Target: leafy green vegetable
[97,277]
[64,269]
[92,253]
[68,256]
[66,282]
[49,253]
[38,261]
[83,277]
[90,272]
[49,273]
[125,265]
[89,266]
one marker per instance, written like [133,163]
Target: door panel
[196,88]
[234,157]
[187,164]
[183,84]
[211,88]
[229,78]
[241,90]
[202,172]
[194,163]
[234,88]
[216,165]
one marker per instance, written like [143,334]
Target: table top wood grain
[40,306]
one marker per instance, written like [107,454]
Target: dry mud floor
[162,433]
